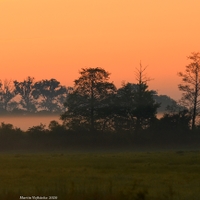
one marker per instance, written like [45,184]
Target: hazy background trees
[7,93]
[49,94]
[30,96]
[25,89]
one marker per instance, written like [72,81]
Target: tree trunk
[195,103]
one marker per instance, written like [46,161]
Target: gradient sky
[56,38]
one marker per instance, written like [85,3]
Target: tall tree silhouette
[190,86]
[146,106]
[49,92]
[137,106]
[90,91]
[25,89]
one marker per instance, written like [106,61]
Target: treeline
[95,105]
[30,96]
[164,134]
[95,113]
[45,96]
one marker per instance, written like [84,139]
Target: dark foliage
[95,104]
[176,122]
[90,97]
[135,109]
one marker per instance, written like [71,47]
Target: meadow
[151,175]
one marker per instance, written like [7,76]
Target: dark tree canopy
[145,106]
[91,90]
[175,122]
[136,107]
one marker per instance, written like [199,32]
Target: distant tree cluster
[30,96]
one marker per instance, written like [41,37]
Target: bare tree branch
[190,86]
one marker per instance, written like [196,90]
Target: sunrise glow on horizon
[56,38]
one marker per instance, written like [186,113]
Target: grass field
[100,175]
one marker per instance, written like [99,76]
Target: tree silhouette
[136,104]
[50,92]
[7,93]
[190,86]
[136,107]
[88,98]
[124,101]
[145,105]
[25,89]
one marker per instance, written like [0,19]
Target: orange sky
[56,38]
